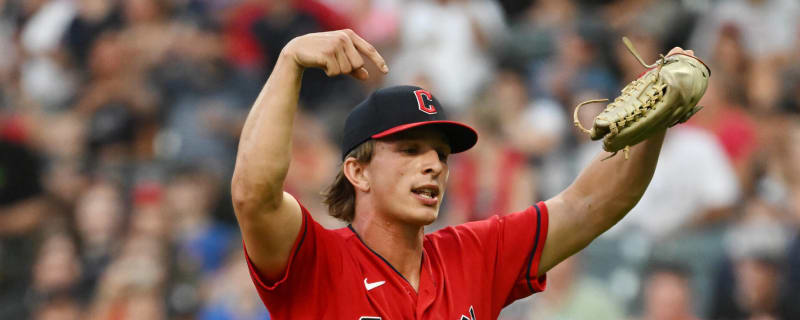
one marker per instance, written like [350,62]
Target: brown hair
[340,195]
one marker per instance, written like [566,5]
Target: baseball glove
[665,95]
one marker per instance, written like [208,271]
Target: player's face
[408,174]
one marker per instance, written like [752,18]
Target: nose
[431,164]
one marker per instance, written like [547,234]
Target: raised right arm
[269,218]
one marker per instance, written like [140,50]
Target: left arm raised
[601,195]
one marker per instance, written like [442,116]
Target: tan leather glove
[667,94]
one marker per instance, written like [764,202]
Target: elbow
[248,198]
[241,197]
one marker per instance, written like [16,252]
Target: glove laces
[633,111]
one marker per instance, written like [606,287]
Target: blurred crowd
[119,122]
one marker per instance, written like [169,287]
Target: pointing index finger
[368,50]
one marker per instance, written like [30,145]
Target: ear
[356,174]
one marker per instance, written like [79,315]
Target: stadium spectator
[667,293]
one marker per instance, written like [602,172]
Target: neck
[399,243]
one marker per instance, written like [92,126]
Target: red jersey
[470,271]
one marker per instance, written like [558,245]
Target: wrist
[652,145]
[288,59]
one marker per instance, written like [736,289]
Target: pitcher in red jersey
[390,186]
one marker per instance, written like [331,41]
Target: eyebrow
[439,145]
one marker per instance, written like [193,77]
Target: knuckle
[342,37]
[358,62]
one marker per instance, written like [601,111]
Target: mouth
[428,194]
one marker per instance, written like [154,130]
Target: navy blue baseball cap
[395,109]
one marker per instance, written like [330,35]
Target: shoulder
[488,230]
[461,230]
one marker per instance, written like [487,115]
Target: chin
[423,217]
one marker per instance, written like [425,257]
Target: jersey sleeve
[520,243]
[315,257]
[501,254]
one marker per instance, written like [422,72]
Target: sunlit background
[119,123]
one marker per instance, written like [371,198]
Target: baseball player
[390,186]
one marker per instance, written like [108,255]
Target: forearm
[263,157]
[601,195]
[607,189]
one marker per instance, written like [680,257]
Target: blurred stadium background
[119,122]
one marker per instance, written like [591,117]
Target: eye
[443,155]
[410,150]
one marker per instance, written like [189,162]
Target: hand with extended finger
[335,52]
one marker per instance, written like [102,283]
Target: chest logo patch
[372,285]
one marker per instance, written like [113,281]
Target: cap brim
[461,136]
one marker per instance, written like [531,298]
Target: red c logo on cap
[425,101]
